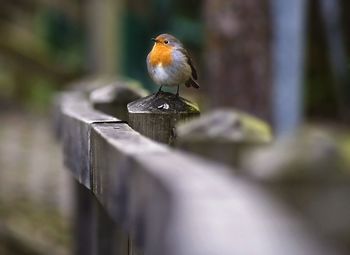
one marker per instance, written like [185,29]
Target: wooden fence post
[155,116]
[113,100]
[110,238]
[95,231]
[223,135]
[84,228]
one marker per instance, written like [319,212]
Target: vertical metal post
[289,24]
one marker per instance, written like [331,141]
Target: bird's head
[167,40]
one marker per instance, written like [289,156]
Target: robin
[169,63]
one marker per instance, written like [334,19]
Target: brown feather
[192,83]
[189,61]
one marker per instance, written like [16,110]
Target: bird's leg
[159,90]
[177,92]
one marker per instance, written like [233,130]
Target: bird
[169,64]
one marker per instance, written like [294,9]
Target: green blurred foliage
[62,38]
[60,41]
[319,95]
[7,83]
[40,94]
[320,91]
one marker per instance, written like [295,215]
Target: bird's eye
[166,41]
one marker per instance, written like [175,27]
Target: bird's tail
[192,83]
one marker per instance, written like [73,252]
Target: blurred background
[284,61]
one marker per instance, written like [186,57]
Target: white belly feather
[171,76]
[160,74]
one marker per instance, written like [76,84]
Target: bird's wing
[148,64]
[189,61]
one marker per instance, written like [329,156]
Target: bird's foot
[177,92]
[159,91]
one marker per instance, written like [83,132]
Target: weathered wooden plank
[74,117]
[173,203]
[113,146]
[111,169]
[74,114]
[170,202]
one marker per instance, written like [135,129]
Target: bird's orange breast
[160,55]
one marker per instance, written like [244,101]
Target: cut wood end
[163,103]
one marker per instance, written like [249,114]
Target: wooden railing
[138,196]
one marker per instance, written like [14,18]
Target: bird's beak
[154,39]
